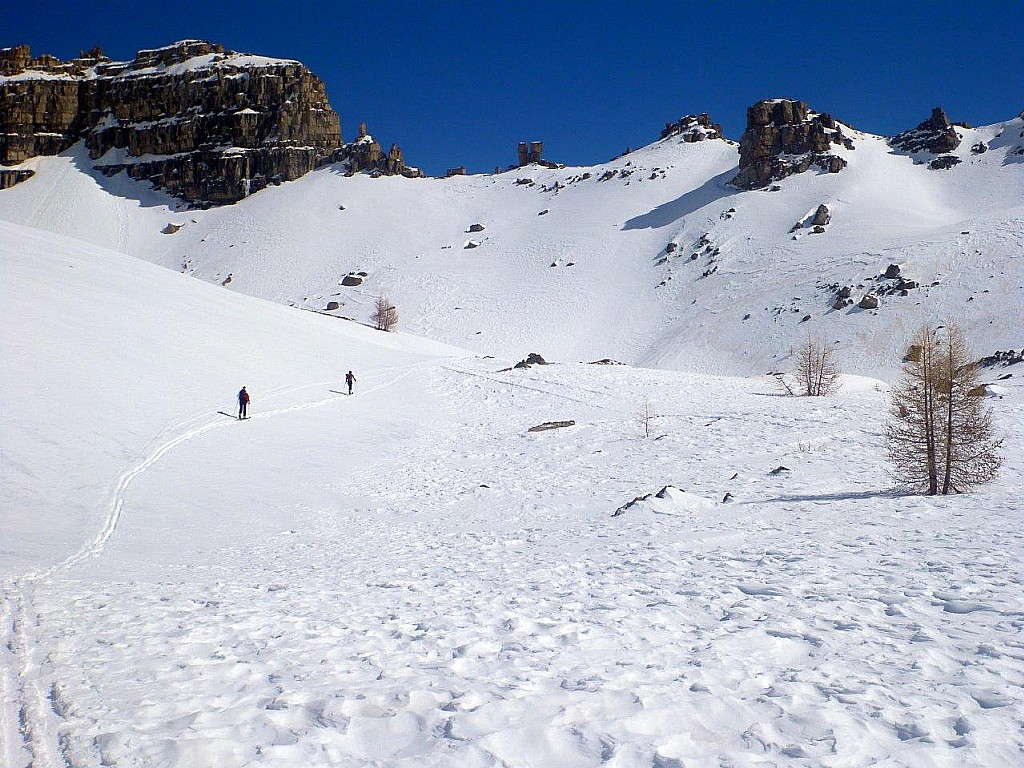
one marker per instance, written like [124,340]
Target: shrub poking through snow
[385,314]
[816,374]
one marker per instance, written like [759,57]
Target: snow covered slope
[106,356]
[588,263]
[409,578]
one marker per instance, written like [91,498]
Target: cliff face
[205,124]
[784,137]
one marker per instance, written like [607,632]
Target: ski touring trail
[30,714]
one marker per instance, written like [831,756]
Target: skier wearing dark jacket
[350,379]
[243,404]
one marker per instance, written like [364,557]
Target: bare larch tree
[940,435]
[385,314]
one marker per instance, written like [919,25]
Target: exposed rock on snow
[669,500]
[693,128]
[784,137]
[11,176]
[1003,358]
[935,135]
[170,229]
[551,425]
[366,154]
[944,162]
[869,301]
[821,216]
[531,359]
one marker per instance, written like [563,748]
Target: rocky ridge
[783,137]
[204,123]
[692,128]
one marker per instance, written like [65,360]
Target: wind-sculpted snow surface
[408,577]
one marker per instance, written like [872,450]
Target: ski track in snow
[763,630]
[28,718]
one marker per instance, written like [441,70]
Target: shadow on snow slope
[670,212]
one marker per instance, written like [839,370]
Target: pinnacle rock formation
[936,135]
[784,137]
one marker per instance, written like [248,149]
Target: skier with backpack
[350,379]
[243,404]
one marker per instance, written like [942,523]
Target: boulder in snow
[551,425]
[821,216]
[531,359]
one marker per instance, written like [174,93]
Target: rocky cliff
[204,123]
[783,137]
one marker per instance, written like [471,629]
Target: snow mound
[668,501]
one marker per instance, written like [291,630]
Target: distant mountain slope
[652,258]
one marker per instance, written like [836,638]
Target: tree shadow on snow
[670,212]
[881,493]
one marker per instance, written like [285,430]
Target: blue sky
[460,83]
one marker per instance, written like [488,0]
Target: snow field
[388,608]
[407,577]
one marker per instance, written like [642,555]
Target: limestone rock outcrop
[11,176]
[821,216]
[531,153]
[204,123]
[366,154]
[935,135]
[784,137]
[692,128]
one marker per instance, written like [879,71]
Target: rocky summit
[935,135]
[783,137]
[693,128]
[206,124]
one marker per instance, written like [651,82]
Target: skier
[350,379]
[243,404]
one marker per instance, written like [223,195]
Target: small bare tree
[816,374]
[385,314]
[646,417]
[940,437]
